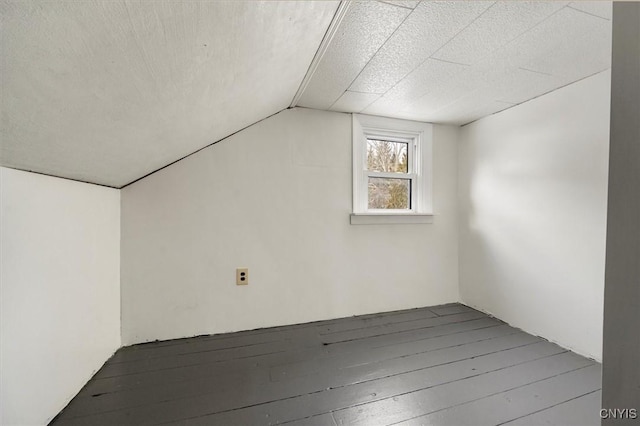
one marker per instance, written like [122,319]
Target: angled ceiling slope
[454,62]
[109,91]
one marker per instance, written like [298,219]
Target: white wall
[276,198]
[533,197]
[59,285]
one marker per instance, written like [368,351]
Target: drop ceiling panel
[365,27]
[570,44]
[468,109]
[520,85]
[354,101]
[108,91]
[428,77]
[427,29]
[452,87]
[407,4]
[500,24]
[603,9]
[452,62]
[507,86]
[567,46]
[495,79]
[439,98]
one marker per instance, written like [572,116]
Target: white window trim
[420,138]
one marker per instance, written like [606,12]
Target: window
[391,171]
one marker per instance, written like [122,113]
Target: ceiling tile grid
[354,101]
[401,3]
[573,52]
[602,9]
[500,24]
[467,110]
[454,62]
[427,29]
[363,30]
[527,67]
[428,77]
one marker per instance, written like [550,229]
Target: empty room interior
[319,212]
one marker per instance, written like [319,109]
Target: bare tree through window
[388,157]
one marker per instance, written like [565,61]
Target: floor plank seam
[396,332]
[386,359]
[298,349]
[434,337]
[492,394]
[433,364]
[356,383]
[547,408]
[195,352]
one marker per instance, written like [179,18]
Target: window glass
[389,193]
[387,156]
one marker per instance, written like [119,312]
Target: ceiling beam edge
[341,11]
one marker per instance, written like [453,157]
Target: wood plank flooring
[444,365]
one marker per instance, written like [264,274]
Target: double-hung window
[391,171]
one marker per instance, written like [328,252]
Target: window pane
[387,156]
[387,193]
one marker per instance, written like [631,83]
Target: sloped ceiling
[108,91]
[455,62]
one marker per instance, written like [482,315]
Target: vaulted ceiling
[108,91]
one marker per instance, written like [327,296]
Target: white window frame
[418,136]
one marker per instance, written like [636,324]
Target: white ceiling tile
[519,50]
[570,44]
[521,85]
[603,9]
[404,116]
[437,99]
[501,77]
[451,88]
[500,24]
[428,28]
[106,91]
[497,78]
[494,80]
[401,3]
[509,74]
[354,101]
[426,78]
[468,109]
[498,81]
[365,27]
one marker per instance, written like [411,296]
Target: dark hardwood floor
[444,365]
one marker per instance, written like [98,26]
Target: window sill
[390,219]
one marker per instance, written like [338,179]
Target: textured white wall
[276,198]
[60,293]
[533,197]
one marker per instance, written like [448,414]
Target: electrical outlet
[242,276]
